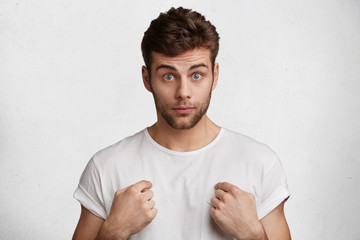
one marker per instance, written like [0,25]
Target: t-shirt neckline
[172,152]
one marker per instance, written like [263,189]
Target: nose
[183,89]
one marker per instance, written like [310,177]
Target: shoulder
[248,148]
[243,141]
[120,149]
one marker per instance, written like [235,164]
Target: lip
[183,109]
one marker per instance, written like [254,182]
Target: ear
[146,78]
[216,75]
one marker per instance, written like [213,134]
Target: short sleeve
[89,191]
[274,189]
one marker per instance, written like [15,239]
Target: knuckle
[140,200]
[149,216]
[215,213]
[145,198]
[234,190]
[118,193]
[226,198]
[132,190]
[220,206]
[251,196]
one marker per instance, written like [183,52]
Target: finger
[142,185]
[224,186]
[150,204]
[212,212]
[219,193]
[215,202]
[148,194]
[153,212]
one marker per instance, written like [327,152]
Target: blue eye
[169,77]
[196,76]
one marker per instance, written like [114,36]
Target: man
[208,182]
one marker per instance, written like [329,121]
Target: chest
[182,190]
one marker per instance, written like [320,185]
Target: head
[177,31]
[179,50]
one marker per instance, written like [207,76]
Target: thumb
[143,185]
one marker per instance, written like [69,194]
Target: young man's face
[181,86]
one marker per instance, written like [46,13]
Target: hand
[131,211]
[234,211]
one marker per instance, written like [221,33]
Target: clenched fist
[234,211]
[131,211]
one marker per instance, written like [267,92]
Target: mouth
[183,109]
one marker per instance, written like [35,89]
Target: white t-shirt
[183,182]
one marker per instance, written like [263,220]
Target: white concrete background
[70,84]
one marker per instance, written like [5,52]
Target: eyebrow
[198,65]
[165,66]
[172,68]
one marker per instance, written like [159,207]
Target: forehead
[186,59]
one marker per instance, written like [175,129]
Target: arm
[88,226]
[275,224]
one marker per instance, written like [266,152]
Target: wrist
[257,232]
[110,231]
[260,233]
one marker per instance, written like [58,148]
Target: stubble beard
[182,121]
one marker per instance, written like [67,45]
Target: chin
[183,125]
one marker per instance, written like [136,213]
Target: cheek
[204,93]
[162,93]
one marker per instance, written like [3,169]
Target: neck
[203,133]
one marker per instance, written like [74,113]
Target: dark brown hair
[177,31]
